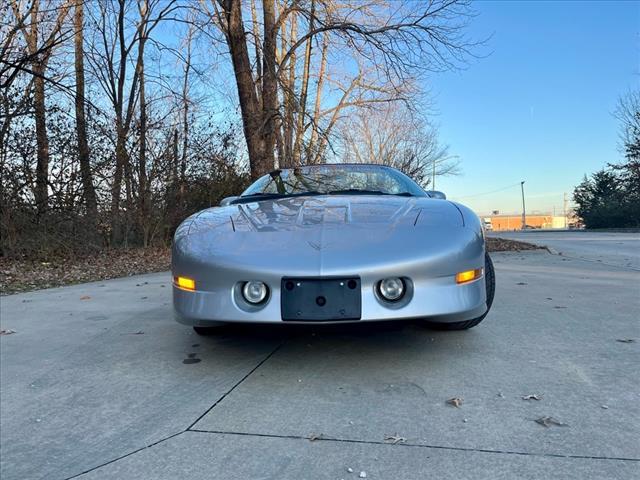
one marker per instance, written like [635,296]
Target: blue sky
[539,107]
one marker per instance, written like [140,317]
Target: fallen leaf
[532,397]
[7,332]
[313,437]
[548,421]
[85,297]
[625,340]
[605,407]
[455,401]
[395,439]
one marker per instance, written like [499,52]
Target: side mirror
[227,200]
[437,194]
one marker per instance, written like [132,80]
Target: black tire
[206,331]
[490,281]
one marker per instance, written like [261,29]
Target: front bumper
[437,299]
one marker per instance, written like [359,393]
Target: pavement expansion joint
[189,428]
[597,262]
[415,445]
[217,402]
[133,452]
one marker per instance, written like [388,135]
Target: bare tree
[257,123]
[385,45]
[628,114]
[110,54]
[395,136]
[81,122]
[40,47]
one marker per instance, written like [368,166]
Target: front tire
[490,282]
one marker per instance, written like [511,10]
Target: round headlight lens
[254,292]
[391,289]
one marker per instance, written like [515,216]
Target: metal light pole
[433,181]
[524,215]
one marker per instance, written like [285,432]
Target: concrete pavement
[110,387]
[611,248]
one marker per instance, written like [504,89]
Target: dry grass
[25,275]
[504,245]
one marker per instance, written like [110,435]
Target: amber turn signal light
[185,283]
[469,275]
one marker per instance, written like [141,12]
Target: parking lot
[98,381]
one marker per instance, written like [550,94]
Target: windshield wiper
[358,191]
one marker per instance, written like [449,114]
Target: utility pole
[524,215]
[433,181]
[564,206]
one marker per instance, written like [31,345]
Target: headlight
[254,292]
[391,289]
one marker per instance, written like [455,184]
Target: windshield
[334,180]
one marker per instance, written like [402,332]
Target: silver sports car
[332,244]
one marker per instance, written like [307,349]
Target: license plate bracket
[320,299]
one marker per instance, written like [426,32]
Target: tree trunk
[142,159]
[41,192]
[311,147]
[258,48]
[185,106]
[269,84]
[42,140]
[116,187]
[81,124]
[121,133]
[249,106]
[39,58]
[290,98]
[300,129]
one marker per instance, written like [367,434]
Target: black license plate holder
[320,299]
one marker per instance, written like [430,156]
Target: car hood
[329,212]
[325,235]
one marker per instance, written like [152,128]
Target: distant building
[514,222]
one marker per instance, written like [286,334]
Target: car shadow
[362,340]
